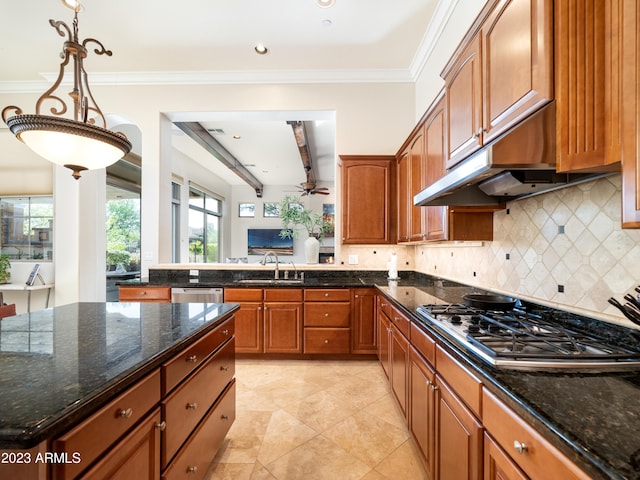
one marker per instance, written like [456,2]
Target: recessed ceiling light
[261,49]
[237,137]
[325,3]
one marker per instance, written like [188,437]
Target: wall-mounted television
[261,240]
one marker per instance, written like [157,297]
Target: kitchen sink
[271,281]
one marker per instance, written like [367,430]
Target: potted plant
[295,218]
[5,266]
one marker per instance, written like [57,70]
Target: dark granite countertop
[593,418]
[59,365]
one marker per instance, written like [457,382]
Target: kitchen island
[78,380]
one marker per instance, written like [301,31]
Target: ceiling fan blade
[316,192]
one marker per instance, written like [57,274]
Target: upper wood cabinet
[628,20]
[404,194]
[502,72]
[589,98]
[435,157]
[368,199]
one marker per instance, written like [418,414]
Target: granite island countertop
[593,418]
[59,365]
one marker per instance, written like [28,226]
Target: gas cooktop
[519,339]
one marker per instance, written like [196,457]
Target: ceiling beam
[202,137]
[303,146]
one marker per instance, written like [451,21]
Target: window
[175,222]
[205,215]
[26,232]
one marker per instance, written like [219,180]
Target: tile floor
[305,419]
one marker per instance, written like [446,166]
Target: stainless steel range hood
[520,163]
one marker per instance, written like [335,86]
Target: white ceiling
[211,41]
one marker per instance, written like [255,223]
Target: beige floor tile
[321,410]
[367,438]
[284,433]
[388,410]
[402,464]
[318,459]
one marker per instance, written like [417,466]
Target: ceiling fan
[309,188]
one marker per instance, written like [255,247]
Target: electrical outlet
[353,259]
[194,273]
[560,288]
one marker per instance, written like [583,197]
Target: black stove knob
[475,319]
[455,319]
[473,328]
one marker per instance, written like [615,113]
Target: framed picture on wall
[271,210]
[246,210]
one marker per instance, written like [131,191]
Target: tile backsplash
[565,248]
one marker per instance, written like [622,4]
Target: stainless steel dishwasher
[197,295]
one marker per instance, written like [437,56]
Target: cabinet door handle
[434,387]
[225,332]
[161,426]
[224,368]
[192,406]
[326,341]
[192,469]
[224,417]
[192,358]
[125,412]
[520,447]
[326,315]
[356,296]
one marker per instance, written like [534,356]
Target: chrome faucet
[264,261]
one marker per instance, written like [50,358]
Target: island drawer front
[174,371]
[539,459]
[384,305]
[144,294]
[462,381]
[186,406]
[400,321]
[282,294]
[326,340]
[193,460]
[327,295]
[327,314]
[97,433]
[233,295]
[423,342]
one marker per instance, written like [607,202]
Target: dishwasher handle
[197,295]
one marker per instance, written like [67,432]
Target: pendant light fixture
[78,143]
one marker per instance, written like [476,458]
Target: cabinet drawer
[400,321]
[327,295]
[145,294]
[326,340]
[462,381]
[233,295]
[384,305]
[540,459]
[94,436]
[194,458]
[186,406]
[282,294]
[174,371]
[423,343]
[327,314]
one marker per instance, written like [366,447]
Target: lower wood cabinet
[327,320]
[497,464]
[283,322]
[249,328]
[422,408]
[364,331]
[145,294]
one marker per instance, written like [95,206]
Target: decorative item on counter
[295,217]
[393,287]
[393,267]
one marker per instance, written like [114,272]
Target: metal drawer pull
[223,368]
[161,426]
[125,413]
[326,341]
[326,294]
[326,315]
[192,406]
[192,358]
[192,469]
[225,332]
[224,417]
[520,447]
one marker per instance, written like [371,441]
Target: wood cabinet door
[399,366]
[458,437]
[404,190]
[464,103]
[497,464]
[368,199]
[417,215]
[384,325]
[364,331]
[435,136]
[422,408]
[283,327]
[249,328]
[517,70]
[135,456]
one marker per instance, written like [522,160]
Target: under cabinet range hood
[519,163]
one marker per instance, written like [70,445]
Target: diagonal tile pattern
[305,419]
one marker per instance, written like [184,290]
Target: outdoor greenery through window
[27,228]
[123,229]
[205,215]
